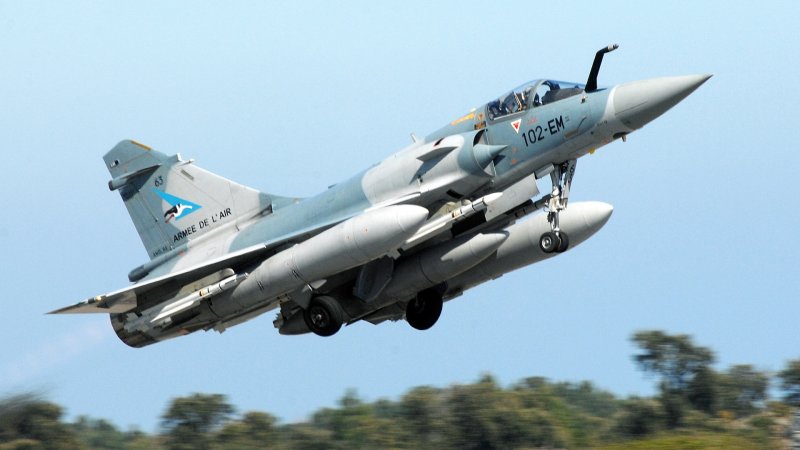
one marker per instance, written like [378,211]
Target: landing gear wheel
[564,245]
[323,316]
[424,310]
[549,242]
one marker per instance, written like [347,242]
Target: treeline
[696,406]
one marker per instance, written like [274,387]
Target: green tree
[586,397]
[742,390]
[308,437]
[674,357]
[139,440]
[345,422]
[29,422]
[190,421]
[790,382]
[482,415]
[99,433]
[421,416]
[674,407]
[255,430]
[638,418]
[469,418]
[517,427]
[702,390]
[355,424]
[684,368]
[558,416]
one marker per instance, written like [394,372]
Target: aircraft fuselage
[394,241]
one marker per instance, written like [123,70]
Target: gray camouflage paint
[200,229]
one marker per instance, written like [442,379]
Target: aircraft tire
[423,311]
[324,316]
[563,242]
[549,242]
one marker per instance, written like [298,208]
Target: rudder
[172,201]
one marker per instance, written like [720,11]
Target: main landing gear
[424,310]
[555,240]
[324,316]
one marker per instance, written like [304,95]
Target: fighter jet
[450,211]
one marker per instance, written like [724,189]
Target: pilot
[509,104]
[494,110]
[523,99]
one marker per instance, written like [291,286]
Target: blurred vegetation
[696,407]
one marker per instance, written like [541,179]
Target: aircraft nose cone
[639,102]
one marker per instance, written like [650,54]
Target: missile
[445,222]
[195,298]
[580,221]
[161,314]
[221,326]
[349,244]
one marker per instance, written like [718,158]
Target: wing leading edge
[124,300]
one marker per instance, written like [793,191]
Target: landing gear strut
[556,240]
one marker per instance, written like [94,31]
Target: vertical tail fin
[172,202]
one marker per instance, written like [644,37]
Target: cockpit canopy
[531,95]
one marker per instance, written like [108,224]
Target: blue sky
[290,99]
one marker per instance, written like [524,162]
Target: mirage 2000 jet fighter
[393,242]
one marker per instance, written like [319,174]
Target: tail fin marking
[172,202]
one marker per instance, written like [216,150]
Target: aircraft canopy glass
[531,95]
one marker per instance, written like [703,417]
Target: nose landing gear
[555,240]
